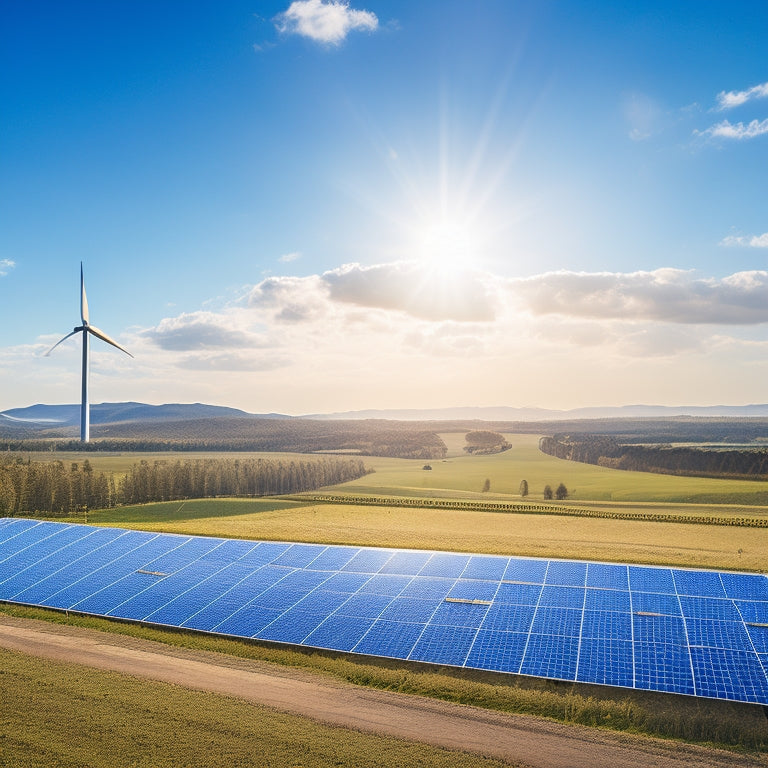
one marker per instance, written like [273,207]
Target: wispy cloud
[746,241]
[731,99]
[288,257]
[328,23]
[5,266]
[738,131]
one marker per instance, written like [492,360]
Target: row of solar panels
[694,632]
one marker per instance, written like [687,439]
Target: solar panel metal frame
[684,631]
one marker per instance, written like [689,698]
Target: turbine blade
[77,330]
[83,298]
[103,336]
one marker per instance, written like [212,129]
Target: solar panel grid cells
[607,661]
[500,651]
[729,675]
[663,667]
[745,586]
[552,656]
[444,644]
[698,583]
[605,576]
[394,639]
[72,565]
[339,633]
[117,559]
[15,576]
[507,614]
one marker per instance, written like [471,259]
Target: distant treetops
[482,441]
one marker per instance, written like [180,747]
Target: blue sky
[317,206]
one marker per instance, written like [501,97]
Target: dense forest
[607,451]
[370,438]
[52,488]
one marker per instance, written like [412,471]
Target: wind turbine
[86,328]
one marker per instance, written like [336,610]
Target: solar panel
[685,631]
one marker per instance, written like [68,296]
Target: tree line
[606,451]
[365,438]
[54,489]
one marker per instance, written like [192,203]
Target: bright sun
[446,243]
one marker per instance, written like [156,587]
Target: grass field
[461,475]
[64,716]
[707,546]
[464,474]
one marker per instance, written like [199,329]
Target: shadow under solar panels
[684,631]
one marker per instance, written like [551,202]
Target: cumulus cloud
[737,131]
[5,266]
[200,330]
[415,289]
[291,299]
[664,295]
[746,241]
[731,99]
[324,22]
[412,288]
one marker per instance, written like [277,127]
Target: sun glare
[448,244]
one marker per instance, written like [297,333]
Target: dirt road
[518,739]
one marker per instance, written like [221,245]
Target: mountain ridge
[42,416]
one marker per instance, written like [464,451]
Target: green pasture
[464,475]
[460,475]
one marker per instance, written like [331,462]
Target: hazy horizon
[313,206]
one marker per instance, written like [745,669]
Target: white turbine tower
[86,328]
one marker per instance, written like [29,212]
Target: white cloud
[731,99]
[748,241]
[5,266]
[738,131]
[664,295]
[286,258]
[201,330]
[291,299]
[324,22]
[416,289]
[413,288]
[385,335]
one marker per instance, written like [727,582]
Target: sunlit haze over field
[315,206]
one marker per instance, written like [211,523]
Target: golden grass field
[461,477]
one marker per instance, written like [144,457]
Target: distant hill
[410,433]
[51,416]
[506,413]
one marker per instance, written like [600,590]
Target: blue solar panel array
[702,633]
